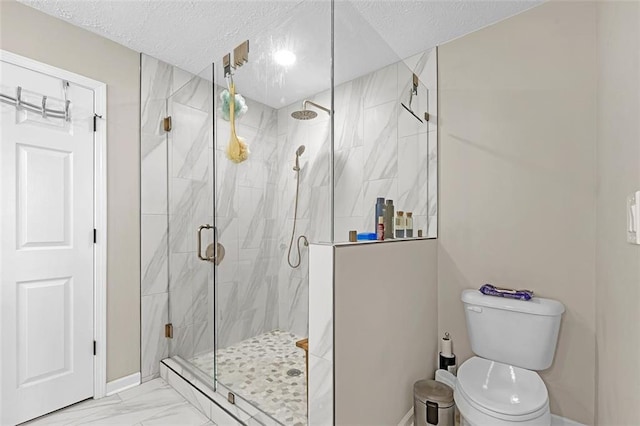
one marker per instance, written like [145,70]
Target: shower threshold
[256,370]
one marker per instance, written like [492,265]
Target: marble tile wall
[156,86]
[321,266]
[177,189]
[190,204]
[176,176]
[248,218]
[383,151]
[313,215]
[425,65]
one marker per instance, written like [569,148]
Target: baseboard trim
[563,421]
[407,420]
[123,383]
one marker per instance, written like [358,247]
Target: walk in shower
[225,244]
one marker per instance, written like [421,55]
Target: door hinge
[95,122]
[166,124]
[95,351]
[168,331]
[95,235]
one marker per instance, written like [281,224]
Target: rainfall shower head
[306,114]
[299,152]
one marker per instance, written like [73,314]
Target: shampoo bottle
[388,219]
[408,232]
[380,233]
[400,225]
[379,211]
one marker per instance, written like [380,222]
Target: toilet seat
[502,391]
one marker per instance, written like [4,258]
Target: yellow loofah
[237,150]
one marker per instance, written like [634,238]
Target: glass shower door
[190,236]
[269,207]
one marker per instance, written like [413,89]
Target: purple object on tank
[490,290]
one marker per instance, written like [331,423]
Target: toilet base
[498,422]
[407,420]
[555,421]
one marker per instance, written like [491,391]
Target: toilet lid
[502,388]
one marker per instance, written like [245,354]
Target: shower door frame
[194,227]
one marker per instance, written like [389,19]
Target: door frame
[99,206]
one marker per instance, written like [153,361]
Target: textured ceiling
[369,34]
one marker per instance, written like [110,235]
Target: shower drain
[294,372]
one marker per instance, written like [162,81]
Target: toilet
[512,340]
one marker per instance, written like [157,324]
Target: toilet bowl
[492,393]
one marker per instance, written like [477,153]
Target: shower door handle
[200,256]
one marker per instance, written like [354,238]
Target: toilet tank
[515,332]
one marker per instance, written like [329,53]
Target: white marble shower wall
[248,219]
[381,150]
[176,193]
[190,168]
[314,206]
[177,286]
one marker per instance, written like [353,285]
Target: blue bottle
[379,211]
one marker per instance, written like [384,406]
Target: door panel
[44,197]
[44,347]
[46,250]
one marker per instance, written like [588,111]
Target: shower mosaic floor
[256,369]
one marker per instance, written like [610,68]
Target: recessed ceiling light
[284,57]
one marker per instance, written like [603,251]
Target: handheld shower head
[299,152]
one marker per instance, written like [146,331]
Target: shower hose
[293,231]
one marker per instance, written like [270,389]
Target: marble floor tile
[183,414]
[142,389]
[152,403]
[76,411]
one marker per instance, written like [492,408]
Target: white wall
[33,34]
[618,263]
[517,104]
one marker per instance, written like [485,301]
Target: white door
[46,248]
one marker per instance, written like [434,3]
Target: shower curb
[208,401]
